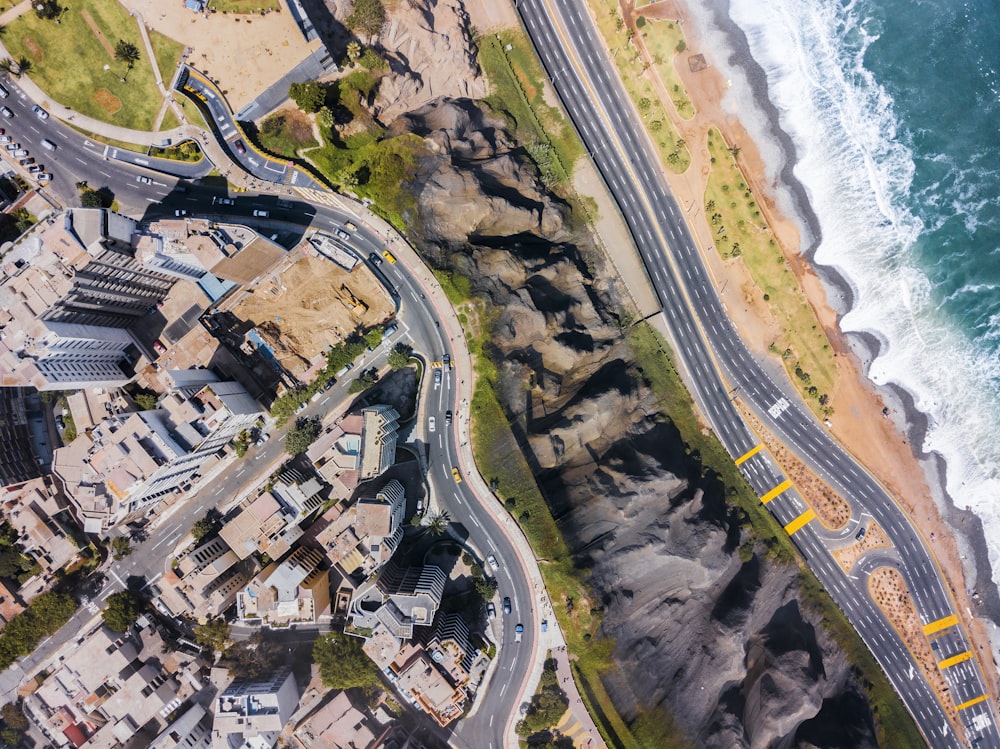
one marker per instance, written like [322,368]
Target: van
[4,93]
[48,144]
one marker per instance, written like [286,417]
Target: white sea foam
[857,171]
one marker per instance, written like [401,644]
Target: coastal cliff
[706,626]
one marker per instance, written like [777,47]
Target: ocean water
[894,110]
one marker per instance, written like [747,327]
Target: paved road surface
[718,364]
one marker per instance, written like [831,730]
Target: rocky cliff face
[723,644]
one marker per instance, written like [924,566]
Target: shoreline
[792,203]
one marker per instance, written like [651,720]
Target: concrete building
[296,590]
[338,724]
[260,525]
[111,689]
[336,455]
[130,462]
[67,298]
[37,515]
[365,535]
[17,460]
[417,676]
[250,714]
[191,730]
[206,581]
[378,440]
[399,599]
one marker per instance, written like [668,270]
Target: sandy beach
[889,441]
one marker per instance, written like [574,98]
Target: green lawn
[68,61]
[287,133]
[170,120]
[517,94]
[673,151]
[665,40]
[740,230]
[168,55]
[243,6]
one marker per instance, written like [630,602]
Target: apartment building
[365,535]
[111,688]
[399,599]
[206,581]
[378,440]
[128,463]
[68,296]
[294,590]
[250,714]
[17,460]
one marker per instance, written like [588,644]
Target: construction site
[301,310]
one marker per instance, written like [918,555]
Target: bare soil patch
[108,100]
[889,591]
[849,555]
[309,306]
[34,49]
[832,510]
[89,20]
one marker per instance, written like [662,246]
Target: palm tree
[127,52]
[23,66]
[353,51]
[7,65]
[438,523]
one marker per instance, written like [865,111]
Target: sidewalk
[542,609]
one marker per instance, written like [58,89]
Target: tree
[204,528]
[127,53]
[300,436]
[120,611]
[214,634]
[373,337]
[372,60]
[438,523]
[343,664]
[353,51]
[365,381]
[121,547]
[399,357]
[45,615]
[47,9]
[7,65]
[13,723]
[145,399]
[90,198]
[308,96]
[486,587]
[325,117]
[368,16]
[253,657]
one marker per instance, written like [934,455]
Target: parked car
[12,146]
[6,112]
[180,212]
[223,201]
[35,168]
[341,233]
[27,161]
[5,139]
[506,604]
[159,347]
[447,418]
[493,562]
[143,180]
[240,148]
[19,153]
[261,214]
[860,534]
[40,113]
[491,610]
[264,437]
[301,408]
[43,177]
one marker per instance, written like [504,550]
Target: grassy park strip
[73,61]
[665,41]
[740,231]
[632,70]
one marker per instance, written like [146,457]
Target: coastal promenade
[718,367]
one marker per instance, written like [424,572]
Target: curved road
[76,159]
[718,364]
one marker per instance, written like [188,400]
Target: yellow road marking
[783,486]
[749,454]
[954,660]
[942,623]
[800,521]
[970,703]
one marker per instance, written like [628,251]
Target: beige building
[110,689]
[366,534]
[417,675]
[338,724]
[35,512]
[206,581]
[296,590]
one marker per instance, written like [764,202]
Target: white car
[144,180]
[223,201]
[180,212]
[493,562]
[264,437]
[431,423]
[41,113]
[260,214]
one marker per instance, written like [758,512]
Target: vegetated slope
[706,626]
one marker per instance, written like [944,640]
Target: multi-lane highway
[718,363]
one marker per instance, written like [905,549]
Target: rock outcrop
[717,638]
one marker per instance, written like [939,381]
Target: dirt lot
[244,53]
[309,308]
